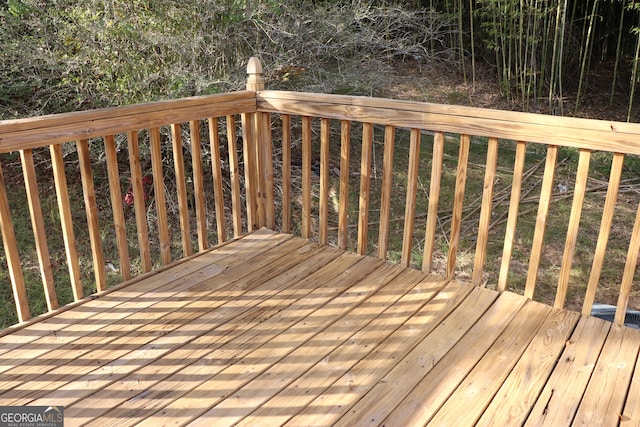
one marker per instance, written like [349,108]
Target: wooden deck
[271,329]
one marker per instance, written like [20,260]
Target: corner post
[258,156]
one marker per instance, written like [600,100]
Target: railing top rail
[568,131]
[40,131]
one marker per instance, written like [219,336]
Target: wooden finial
[255,81]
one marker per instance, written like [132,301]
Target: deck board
[269,329]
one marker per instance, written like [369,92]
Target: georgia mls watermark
[31,416]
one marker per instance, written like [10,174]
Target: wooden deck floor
[271,330]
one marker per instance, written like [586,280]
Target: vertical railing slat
[456,216]
[198,184]
[37,224]
[365,183]
[216,166]
[485,211]
[572,229]
[412,189]
[183,205]
[250,147]
[306,177]
[66,220]
[324,181]
[434,199]
[345,172]
[235,176]
[160,199]
[116,206]
[286,173]
[512,218]
[266,169]
[387,181]
[91,208]
[139,203]
[603,235]
[541,220]
[629,272]
[11,253]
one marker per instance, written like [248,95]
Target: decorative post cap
[255,81]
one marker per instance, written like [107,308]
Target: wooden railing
[448,189]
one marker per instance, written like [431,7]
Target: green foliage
[80,54]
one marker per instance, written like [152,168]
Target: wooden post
[259,168]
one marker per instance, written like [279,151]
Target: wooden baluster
[541,220]
[139,202]
[387,181]
[412,188]
[37,224]
[603,235]
[572,229]
[456,217]
[365,182]
[485,211]
[183,204]
[629,272]
[116,206]
[324,181]
[235,176]
[345,170]
[512,219]
[434,199]
[66,220]
[216,165]
[306,177]
[286,173]
[266,169]
[11,253]
[160,200]
[198,184]
[251,165]
[91,208]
